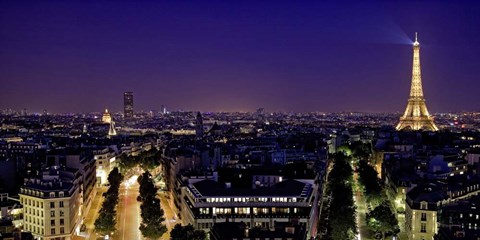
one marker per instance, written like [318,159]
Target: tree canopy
[382,219]
[152,226]
[342,209]
[180,232]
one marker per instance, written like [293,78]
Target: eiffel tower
[416,116]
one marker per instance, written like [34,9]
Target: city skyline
[220,57]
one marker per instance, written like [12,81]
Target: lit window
[423,227]
[424,205]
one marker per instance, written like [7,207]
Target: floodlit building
[106,118]
[83,161]
[52,205]
[105,162]
[111,129]
[421,215]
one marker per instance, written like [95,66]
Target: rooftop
[286,188]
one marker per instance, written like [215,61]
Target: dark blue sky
[69,56]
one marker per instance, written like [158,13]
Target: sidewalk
[93,213]
[170,220]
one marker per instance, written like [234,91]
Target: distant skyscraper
[199,126]
[128,104]
[416,115]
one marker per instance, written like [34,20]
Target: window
[61,213]
[52,222]
[204,211]
[52,213]
[424,217]
[424,205]
[423,227]
[61,203]
[60,194]
[52,231]
[52,194]
[62,231]
[62,221]
[52,205]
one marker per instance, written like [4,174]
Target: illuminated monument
[106,118]
[416,116]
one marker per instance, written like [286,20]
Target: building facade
[206,202]
[105,162]
[52,205]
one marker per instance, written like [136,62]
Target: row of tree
[342,210]
[381,219]
[152,226]
[106,221]
[147,160]
[372,188]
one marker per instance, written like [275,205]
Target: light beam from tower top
[416,43]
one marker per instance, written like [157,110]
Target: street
[363,231]
[128,211]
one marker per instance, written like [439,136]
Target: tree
[105,223]
[151,212]
[180,232]
[361,150]
[371,183]
[382,219]
[115,178]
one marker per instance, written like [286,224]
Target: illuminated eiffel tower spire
[416,116]
[111,130]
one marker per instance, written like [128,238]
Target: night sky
[300,56]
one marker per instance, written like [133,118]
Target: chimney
[228,185]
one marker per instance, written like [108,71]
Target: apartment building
[52,204]
[206,202]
